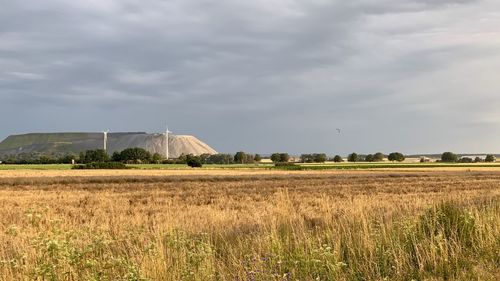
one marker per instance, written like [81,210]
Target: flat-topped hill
[81,141]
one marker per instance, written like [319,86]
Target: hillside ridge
[76,142]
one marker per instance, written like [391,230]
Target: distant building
[425,159]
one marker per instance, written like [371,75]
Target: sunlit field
[250,225]
[270,166]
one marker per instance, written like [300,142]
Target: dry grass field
[249,225]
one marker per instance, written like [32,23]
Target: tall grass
[331,227]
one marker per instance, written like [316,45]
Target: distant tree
[45,159]
[338,159]
[449,157]
[378,157]
[313,158]
[490,158]
[257,158]
[396,156]
[478,160]
[320,157]
[66,159]
[220,159]
[284,157]
[243,158]
[280,157]
[466,160]
[204,157]
[276,157]
[156,158]
[116,157]
[240,157]
[182,159]
[306,158]
[90,156]
[369,158]
[194,161]
[353,157]
[135,155]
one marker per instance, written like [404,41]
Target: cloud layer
[262,76]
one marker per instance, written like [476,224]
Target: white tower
[167,132]
[105,144]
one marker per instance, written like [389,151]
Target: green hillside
[13,142]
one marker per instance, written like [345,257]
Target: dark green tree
[369,158]
[306,158]
[257,158]
[156,158]
[490,158]
[320,157]
[378,157]
[338,159]
[220,159]
[90,156]
[116,157]
[280,157]
[284,157]
[240,157]
[466,160]
[353,157]
[194,161]
[182,158]
[449,157]
[204,157]
[396,156]
[66,159]
[135,155]
[276,157]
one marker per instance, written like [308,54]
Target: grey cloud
[268,68]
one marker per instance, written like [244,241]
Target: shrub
[101,165]
[452,222]
[287,166]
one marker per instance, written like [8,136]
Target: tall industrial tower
[105,144]
[167,132]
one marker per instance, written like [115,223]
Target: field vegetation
[279,166]
[350,225]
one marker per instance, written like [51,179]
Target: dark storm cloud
[290,72]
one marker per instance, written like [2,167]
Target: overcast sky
[417,76]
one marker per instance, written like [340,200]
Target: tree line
[141,156]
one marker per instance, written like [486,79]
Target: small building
[425,159]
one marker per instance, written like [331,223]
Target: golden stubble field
[250,225]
